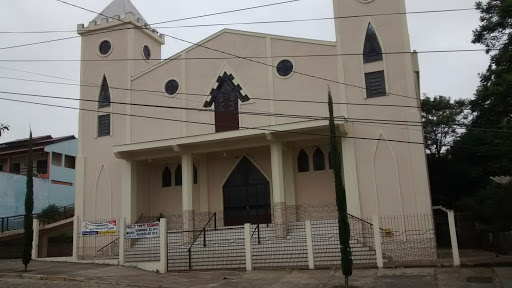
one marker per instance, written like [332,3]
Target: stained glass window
[372,50]
[104,99]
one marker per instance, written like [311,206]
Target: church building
[237,124]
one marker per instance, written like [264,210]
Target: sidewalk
[125,276]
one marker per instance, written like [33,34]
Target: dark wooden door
[246,196]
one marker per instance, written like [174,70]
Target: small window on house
[303,161]
[195,174]
[166,177]
[372,50]
[318,160]
[15,168]
[42,166]
[103,125]
[177,176]
[56,159]
[69,161]
[146,52]
[375,84]
[104,99]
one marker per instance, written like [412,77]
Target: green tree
[493,101]
[442,122]
[49,214]
[3,128]
[341,198]
[28,233]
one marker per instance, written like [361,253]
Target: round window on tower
[146,52]
[284,68]
[172,87]
[105,48]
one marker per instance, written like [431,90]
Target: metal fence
[326,243]
[408,240]
[478,246]
[269,250]
[145,249]
[98,247]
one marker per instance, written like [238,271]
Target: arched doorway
[246,196]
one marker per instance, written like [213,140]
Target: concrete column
[453,238]
[309,241]
[378,243]
[248,246]
[187,196]
[122,240]
[203,184]
[76,233]
[35,241]
[278,192]
[129,193]
[163,245]
[289,185]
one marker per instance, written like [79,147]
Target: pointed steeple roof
[119,7]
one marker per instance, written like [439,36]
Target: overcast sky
[454,75]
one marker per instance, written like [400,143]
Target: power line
[255,22]
[243,128]
[234,55]
[251,57]
[381,122]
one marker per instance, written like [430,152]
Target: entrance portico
[243,175]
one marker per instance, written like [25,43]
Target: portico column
[129,191]
[187,196]
[278,191]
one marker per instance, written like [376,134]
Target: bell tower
[116,45]
[376,68]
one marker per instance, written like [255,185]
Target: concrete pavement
[96,275]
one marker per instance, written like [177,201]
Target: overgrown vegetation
[49,214]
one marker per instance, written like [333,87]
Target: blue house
[54,173]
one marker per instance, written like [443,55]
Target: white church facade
[237,125]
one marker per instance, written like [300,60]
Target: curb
[37,277]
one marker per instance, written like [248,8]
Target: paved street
[95,275]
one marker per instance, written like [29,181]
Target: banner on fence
[145,230]
[109,228]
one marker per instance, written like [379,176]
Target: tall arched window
[318,160]
[372,50]
[177,176]
[104,99]
[303,161]
[166,177]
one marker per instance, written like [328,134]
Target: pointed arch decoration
[303,161]
[318,160]
[166,177]
[372,50]
[104,98]
[103,194]
[225,96]
[177,176]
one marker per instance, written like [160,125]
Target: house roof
[119,7]
[502,179]
[20,145]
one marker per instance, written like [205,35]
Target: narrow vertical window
[330,160]
[104,125]
[166,177]
[195,174]
[318,160]
[372,49]
[177,176]
[303,161]
[104,99]
[375,84]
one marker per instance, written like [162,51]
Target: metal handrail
[4,221]
[203,231]
[364,221]
[258,229]
[119,236]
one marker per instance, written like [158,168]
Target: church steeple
[119,7]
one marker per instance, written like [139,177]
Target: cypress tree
[28,233]
[341,198]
